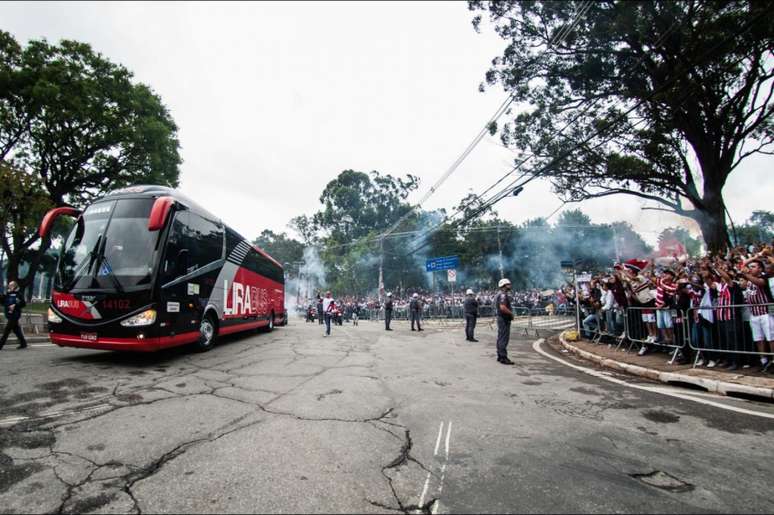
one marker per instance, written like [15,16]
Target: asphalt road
[365,421]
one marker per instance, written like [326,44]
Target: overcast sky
[273,100]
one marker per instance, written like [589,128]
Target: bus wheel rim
[207,331]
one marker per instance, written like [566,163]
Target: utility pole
[500,250]
[577,300]
[381,267]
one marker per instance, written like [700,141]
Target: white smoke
[301,288]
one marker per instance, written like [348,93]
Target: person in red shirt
[761,322]
[666,287]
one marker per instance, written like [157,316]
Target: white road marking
[437,505]
[662,391]
[435,453]
[443,467]
[448,435]
[438,440]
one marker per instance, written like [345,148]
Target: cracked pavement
[363,421]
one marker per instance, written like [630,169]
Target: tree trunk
[712,221]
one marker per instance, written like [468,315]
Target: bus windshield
[109,248]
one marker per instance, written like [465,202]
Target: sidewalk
[655,366]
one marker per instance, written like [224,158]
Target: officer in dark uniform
[388,312]
[504,318]
[470,309]
[320,309]
[13,302]
[415,311]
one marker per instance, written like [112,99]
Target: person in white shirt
[328,305]
[608,308]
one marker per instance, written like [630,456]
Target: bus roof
[152,190]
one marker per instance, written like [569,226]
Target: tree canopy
[76,125]
[622,97]
[529,254]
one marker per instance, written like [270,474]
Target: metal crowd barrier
[649,326]
[733,329]
[32,324]
[608,324]
[526,319]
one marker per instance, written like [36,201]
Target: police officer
[504,318]
[470,309]
[415,311]
[13,302]
[320,309]
[388,312]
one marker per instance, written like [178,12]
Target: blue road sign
[442,263]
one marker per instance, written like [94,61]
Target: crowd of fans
[721,303]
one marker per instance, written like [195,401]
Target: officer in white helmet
[504,318]
[470,310]
[415,311]
[388,312]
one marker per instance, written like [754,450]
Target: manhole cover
[664,481]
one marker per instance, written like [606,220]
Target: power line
[561,35]
[583,112]
[532,155]
[579,146]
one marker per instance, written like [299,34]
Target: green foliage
[282,248]
[304,226]
[78,125]
[758,229]
[371,201]
[633,91]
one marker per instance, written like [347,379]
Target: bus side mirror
[52,215]
[159,211]
[181,262]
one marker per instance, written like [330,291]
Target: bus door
[192,260]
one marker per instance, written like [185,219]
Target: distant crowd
[551,300]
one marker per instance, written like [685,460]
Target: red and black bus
[145,268]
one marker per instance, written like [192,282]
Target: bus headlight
[145,318]
[53,318]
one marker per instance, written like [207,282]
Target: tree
[79,125]
[281,247]
[372,201]
[624,95]
[23,202]
[758,229]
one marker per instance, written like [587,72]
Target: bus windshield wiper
[105,264]
[92,257]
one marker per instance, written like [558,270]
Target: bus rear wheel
[270,327]
[207,333]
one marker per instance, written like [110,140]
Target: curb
[711,385]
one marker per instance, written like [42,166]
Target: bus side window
[207,241]
[176,251]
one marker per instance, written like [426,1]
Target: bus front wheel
[207,332]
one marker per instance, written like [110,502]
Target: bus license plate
[89,337]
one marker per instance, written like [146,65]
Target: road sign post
[442,263]
[451,276]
